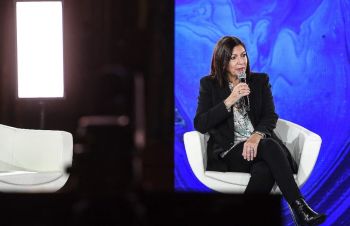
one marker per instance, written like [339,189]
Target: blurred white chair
[34,160]
[303,145]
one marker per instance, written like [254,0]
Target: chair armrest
[195,145]
[311,149]
[303,144]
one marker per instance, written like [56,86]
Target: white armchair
[34,160]
[303,145]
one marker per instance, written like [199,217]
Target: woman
[240,118]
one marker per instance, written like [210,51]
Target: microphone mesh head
[242,76]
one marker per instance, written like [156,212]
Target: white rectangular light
[39,49]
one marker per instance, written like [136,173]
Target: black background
[103,37]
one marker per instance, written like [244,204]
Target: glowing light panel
[39,49]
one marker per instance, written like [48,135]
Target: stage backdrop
[304,46]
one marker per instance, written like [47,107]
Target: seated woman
[235,106]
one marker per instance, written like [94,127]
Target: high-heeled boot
[303,215]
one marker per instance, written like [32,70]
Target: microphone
[242,77]
[244,100]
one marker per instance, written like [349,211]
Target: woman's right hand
[240,90]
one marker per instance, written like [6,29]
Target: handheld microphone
[245,100]
[242,77]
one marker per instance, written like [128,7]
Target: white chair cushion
[230,177]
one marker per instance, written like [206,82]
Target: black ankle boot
[303,215]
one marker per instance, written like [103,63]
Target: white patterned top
[243,127]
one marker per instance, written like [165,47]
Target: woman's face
[238,62]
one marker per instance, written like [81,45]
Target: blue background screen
[304,46]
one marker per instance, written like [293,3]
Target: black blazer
[213,117]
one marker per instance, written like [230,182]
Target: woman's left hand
[250,147]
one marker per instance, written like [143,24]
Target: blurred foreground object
[109,143]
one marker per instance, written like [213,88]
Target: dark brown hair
[221,58]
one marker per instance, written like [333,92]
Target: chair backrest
[35,150]
[291,137]
[294,137]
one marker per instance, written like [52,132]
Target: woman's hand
[250,147]
[240,90]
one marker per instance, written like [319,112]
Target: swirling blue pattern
[305,48]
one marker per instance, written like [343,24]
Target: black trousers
[270,165]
